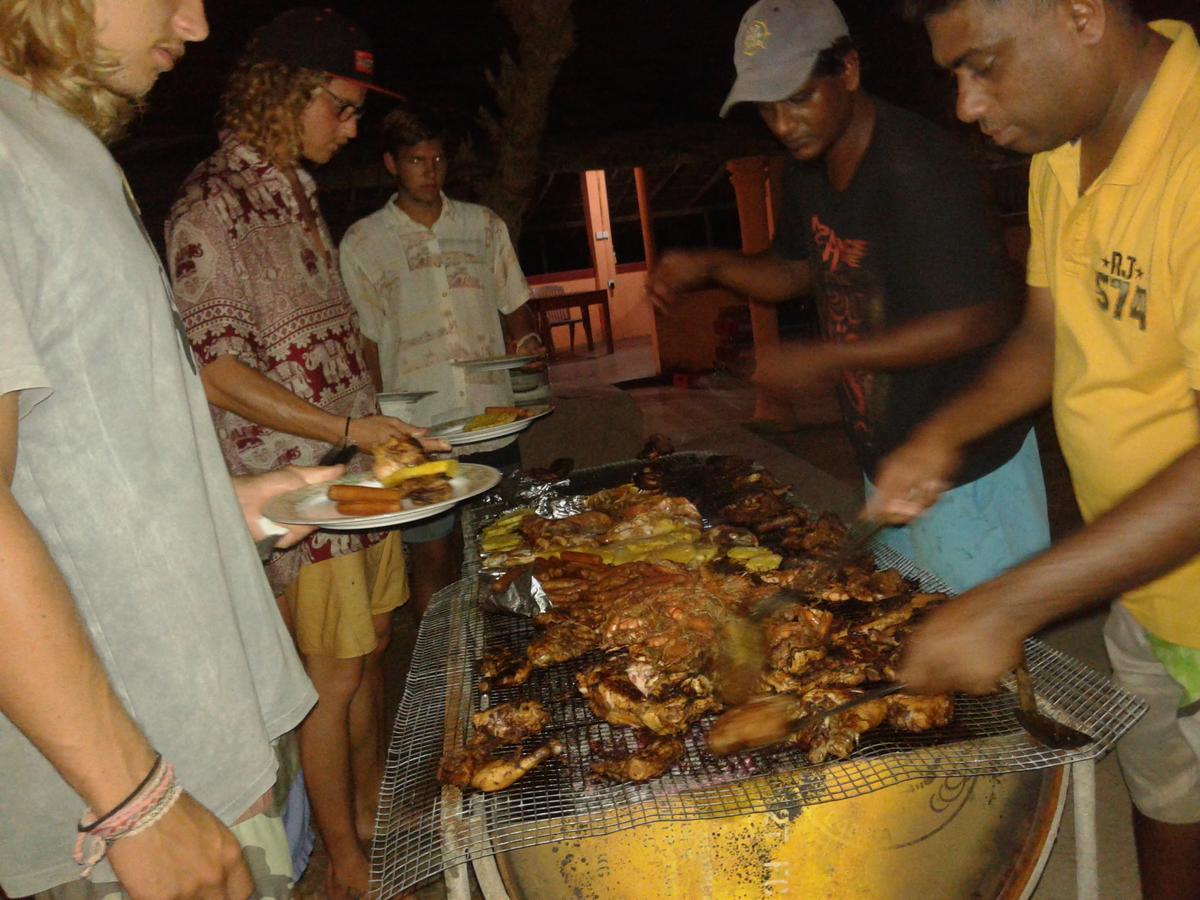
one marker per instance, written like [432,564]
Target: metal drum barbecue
[736,826]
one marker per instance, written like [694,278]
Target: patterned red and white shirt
[251,285]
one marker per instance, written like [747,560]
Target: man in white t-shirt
[436,280]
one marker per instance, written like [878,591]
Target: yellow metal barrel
[927,839]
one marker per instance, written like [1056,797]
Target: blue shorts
[431,529]
[978,530]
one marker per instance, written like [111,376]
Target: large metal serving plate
[425,827]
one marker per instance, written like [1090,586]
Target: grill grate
[424,827]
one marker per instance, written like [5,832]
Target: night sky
[638,63]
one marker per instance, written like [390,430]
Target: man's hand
[188,853]
[795,367]
[676,272]
[371,431]
[253,491]
[967,645]
[910,479]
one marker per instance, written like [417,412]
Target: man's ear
[1089,19]
[851,71]
[389,163]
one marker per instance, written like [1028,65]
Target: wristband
[152,800]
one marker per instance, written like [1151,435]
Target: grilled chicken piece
[458,766]
[752,508]
[613,697]
[919,712]
[503,669]
[498,774]
[394,454]
[856,617]
[655,756]
[796,637]
[427,489]
[509,723]
[850,661]
[836,736]
[561,642]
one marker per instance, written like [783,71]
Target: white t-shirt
[119,471]
[428,296]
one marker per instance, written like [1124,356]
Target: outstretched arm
[926,341]
[971,642]
[54,689]
[765,277]
[234,386]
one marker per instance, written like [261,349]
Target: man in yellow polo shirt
[1111,334]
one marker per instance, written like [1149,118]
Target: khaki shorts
[264,847]
[1160,755]
[332,603]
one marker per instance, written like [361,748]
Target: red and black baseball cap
[320,39]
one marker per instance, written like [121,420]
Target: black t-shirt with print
[911,235]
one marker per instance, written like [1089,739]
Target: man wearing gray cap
[883,220]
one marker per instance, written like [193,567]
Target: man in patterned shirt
[434,280]
[257,282]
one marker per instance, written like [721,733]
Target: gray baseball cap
[777,46]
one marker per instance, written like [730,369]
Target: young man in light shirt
[436,280]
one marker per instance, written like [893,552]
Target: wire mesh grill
[425,827]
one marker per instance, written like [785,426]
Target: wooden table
[583,300]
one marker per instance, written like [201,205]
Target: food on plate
[401,464]
[497,415]
[359,500]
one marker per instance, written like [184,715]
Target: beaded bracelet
[149,802]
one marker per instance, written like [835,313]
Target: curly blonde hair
[52,43]
[263,105]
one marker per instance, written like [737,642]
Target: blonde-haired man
[141,651]
[256,279]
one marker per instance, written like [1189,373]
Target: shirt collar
[1175,77]
[407,223]
[1146,134]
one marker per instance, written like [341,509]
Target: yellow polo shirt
[1123,264]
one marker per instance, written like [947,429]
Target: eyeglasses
[345,109]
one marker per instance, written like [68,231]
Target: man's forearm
[931,339]
[235,387]
[763,276]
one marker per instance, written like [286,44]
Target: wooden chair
[552,318]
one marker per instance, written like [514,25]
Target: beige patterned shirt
[428,296]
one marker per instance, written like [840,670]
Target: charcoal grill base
[424,828]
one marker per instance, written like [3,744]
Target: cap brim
[764,87]
[370,86]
